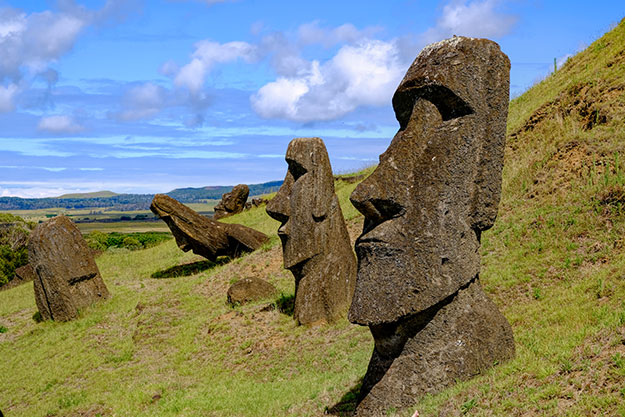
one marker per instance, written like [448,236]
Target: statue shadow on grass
[193,268]
[285,304]
[347,404]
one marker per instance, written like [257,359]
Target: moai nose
[279,206]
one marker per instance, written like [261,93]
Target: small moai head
[304,202]
[437,186]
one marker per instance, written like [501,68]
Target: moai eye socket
[296,169]
[449,105]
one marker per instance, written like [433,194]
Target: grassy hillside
[554,263]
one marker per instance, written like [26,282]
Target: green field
[109,220]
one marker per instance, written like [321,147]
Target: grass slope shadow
[192,268]
[347,404]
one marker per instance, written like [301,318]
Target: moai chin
[66,275]
[435,190]
[315,243]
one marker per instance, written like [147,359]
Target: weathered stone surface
[232,202]
[250,289]
[257,202]
[67,277]
[436,189]
[425,352]
[25,273]
[204,236]
[315,243]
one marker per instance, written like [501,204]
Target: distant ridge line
[128,202]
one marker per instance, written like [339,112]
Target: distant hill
[95,194]
[128,202]
[192,195]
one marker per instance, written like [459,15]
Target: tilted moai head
[232,202]
[315,243]
[438,184]
[202,235]
[66,275]
[436,188]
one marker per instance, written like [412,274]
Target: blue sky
[147,96]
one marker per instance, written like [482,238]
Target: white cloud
[477,18]
[312,33]
[30,42]
[562,60]
[33,41]
[142,101]
[6,97]
[59,124]
[365,74]
[206,55]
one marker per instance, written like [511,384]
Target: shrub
[14,234]
[131,243]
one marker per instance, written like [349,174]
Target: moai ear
[323,183]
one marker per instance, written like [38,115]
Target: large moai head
[304,201]
[66,275]
[315,243]
[438,184]
[436,188]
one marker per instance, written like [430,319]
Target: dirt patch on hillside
[593,104]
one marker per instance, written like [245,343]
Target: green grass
[173,347]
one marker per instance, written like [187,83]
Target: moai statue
[435,191]
[205,237]
[315,243]
[66,275]
[232,202]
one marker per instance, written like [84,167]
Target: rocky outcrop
[315,244]
[204,236]
[435,191]
[232,202]
[250,289]
[66,275]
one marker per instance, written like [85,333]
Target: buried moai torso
[437,187]
[66,275]
[315,242]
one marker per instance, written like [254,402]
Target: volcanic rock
[250,289]
[204,236]
[436,189]
[232,202]
[67,277]
[315,244]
